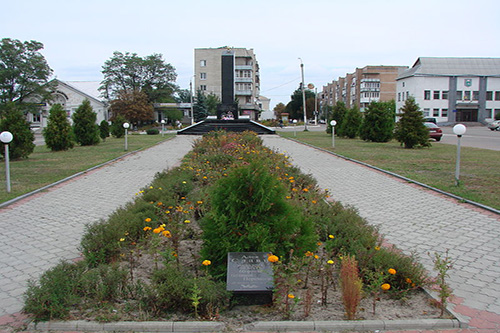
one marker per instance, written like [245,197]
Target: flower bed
[163,256]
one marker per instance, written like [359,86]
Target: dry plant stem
[351,286]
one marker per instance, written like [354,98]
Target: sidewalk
[39,231]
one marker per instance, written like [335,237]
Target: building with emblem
[453,89]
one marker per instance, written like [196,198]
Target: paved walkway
[36,233]
[39,231]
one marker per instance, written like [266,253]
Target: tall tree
[338,113]
[150,74]
[410,129]
[295,107]
[183,96]
[58,133]
[211,103]
[133,105]
[279,109]
[378,122]
[200,106]
[23,71]
[15,122]
[84,125]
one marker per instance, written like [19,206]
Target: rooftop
[426,66]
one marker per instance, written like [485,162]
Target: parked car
[435,131]
[430,120]
[494,125]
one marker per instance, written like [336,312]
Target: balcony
[243,79]
[243,92]
[243,67]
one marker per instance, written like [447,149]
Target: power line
[284,84]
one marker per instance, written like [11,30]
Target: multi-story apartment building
[208,76]
[367,84]
[453,89]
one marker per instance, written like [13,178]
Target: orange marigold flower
[309,254]
[391,271]
[291,296]
[166,233]
[146,228]
[385,286]
[157,230]
[408,280]
[314,201]
[206,263]
[305,190]
[148,220]
[273,258]
[377,248]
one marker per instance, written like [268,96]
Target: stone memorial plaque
[249,272]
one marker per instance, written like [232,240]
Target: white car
[494,125]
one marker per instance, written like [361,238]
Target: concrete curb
[260,326]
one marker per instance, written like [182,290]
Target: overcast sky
[332,37]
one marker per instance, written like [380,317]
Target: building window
[497,111]
[407,94]
[489,113]
[36,117]
[467,95]
[427,94]
[203,63]
[203,87]
[444,94]
[497,95]
[399,97]
[475,95]
[444,113]
[436,94]
[203,76]
[489,95]
[435,113]
[427,112]
[459,95]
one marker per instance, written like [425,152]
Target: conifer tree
[378,122]
[410,129]
[15,122]
[116,128]
[58,133]
[104,129]
[84,125]
[351,123]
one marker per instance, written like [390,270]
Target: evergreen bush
[378,122]
[152,131]
[410,129]
[84,125]
[117,129]
[58,134]
[104,130]
[15,122]
[351,123]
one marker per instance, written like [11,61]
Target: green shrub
[105,283]
[410,129]
[378,122]
[104,129]
[15,122]
[58,134]
[152,131]
[84,125]
[116,128]
[351,123]
[55,292]
[249,213]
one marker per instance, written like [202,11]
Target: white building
[71,94]
[453,89]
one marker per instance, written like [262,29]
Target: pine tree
[116,128]
[84,125]
[58,134]
[410,130]
[338,114]
[378,122]
[15,122]
[351,123]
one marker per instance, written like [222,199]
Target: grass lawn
[434,166]
[45,167]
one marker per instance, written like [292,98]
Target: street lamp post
[126,126]
[6,137]
[162,127]
[295,128]
[459,130]
[333,123]
[303,94]
[191,96]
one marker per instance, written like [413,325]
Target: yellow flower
[291,296]
[331,236]
[122,239]
[187,221]
[148,220]
[377,248]
[184,182]
[288,197]
[391,271]
[206,263]
[309,254]
[305,190]
[273,258]
[166,233]
[385,286]
[151,187]
[330,262]
[199,202]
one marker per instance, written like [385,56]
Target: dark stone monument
[228,109]
[250,277]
